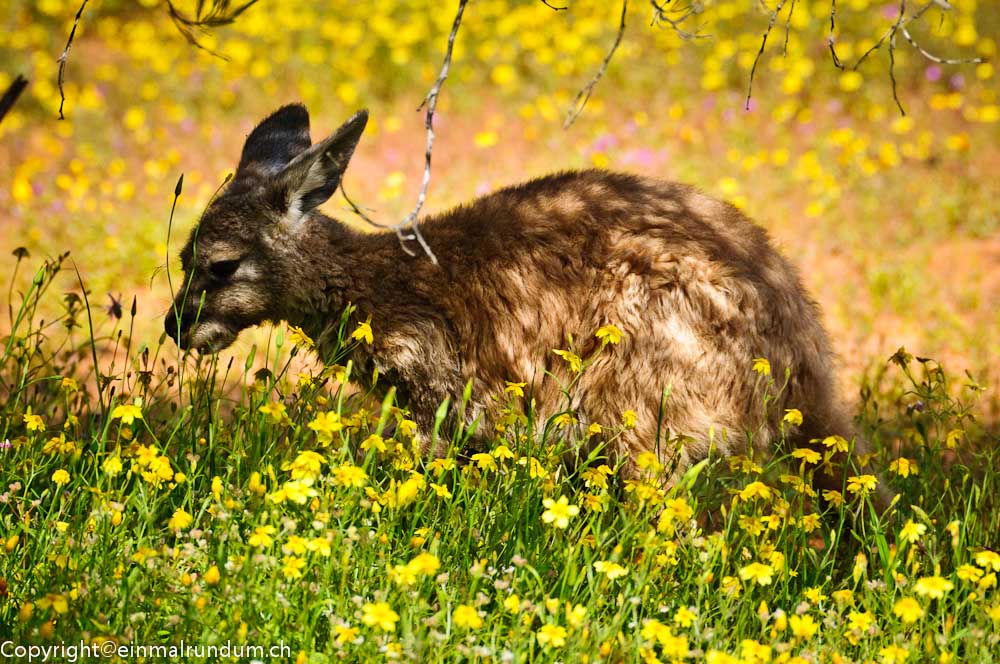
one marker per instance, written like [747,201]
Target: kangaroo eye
[223,269]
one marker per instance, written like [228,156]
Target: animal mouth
[210,337]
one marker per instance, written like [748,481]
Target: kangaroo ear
[274,143]
[313,176]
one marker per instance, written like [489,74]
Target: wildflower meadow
[151,498]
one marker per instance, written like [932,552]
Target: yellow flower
[629,419]
[374,441]
[441,491]
[112,465]
[609,569]
[349,475]
[912,532]
[893,654]
[466,617]
[908,610]
[609,334]
[33,422]
[319,545]
[934,587]
[861,484]
[306,464]
[180,520]
[860,620]
[757,572]
[761,366]
[484,461]
[212,576]
[127,413]
[969,573]
[596,476]
[755,490]
[684,617]
[904,467]
[512,603]
[60,477]
[379,615]
[559,512]
[803,627]
[325,425]
[298,337]
[425,563]
[837,443]
[295,545]
[517,389]
[291,567]
[574,360]
[988,560]
[551,635]
[296,491]
[835,498]
[364,333]
[793,416]
[346,634]
[262,536]
[814,594]
[502,452]
[275,411]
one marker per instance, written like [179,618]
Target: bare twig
[552,6]
[65,56]
[760,52]
[833,26]
[892,56]
[663,16]
[934,58]
[583,96]
[220,14]
[12,93]
[409,223]
[788,25]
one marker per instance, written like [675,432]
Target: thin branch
[661,16]
[430,103]
[583,96]
[760,52]
[833,26]
[553,7]
[65,56]
[219,15]
[934,58]
[10,96]
[788,25]
[892,56]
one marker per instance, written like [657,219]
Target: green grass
[219,515]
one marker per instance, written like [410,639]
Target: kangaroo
[696,289]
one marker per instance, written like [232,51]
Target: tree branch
[409,223]
[583,96]
[760,52]
[65,56]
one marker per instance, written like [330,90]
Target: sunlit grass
[166,507]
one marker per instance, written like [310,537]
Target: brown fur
[696,288]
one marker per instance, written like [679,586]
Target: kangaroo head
[242,263]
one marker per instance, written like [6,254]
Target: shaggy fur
[696,288]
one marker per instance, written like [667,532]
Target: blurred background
[894,220]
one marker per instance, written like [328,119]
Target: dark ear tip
[294,113]
[359,119]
